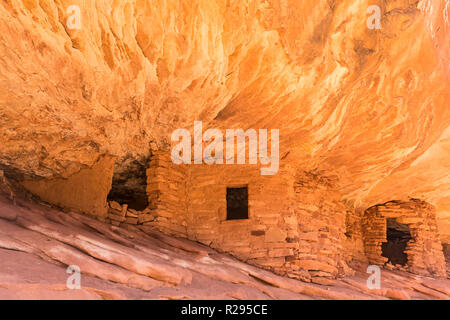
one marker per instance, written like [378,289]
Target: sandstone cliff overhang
[370,106]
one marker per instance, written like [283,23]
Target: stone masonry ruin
[294,223]
[424,254]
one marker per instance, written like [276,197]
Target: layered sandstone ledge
[38,242]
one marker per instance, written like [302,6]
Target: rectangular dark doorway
[397,237]
[237,203]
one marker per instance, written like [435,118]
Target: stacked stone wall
[296,220]
[424,250]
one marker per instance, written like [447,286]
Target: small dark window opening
[397,236]
[237,203]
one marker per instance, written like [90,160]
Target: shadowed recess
[129,185]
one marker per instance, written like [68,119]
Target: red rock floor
[37,243]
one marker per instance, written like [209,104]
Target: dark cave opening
[129,185]
[397,236]
[237,203]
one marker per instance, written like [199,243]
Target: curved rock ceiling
[369,106]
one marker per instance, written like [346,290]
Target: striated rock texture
[37,244]
[369,106]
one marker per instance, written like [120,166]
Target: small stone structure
[424,250]
[296,223]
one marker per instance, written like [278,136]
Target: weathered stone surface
[315,265]
[274,234]
[86,116]
[8,213]
[346,98]
[85,191]
[114,205]
[35,250]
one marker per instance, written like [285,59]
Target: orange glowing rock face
[355,95]
[369,106]
[437,17]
